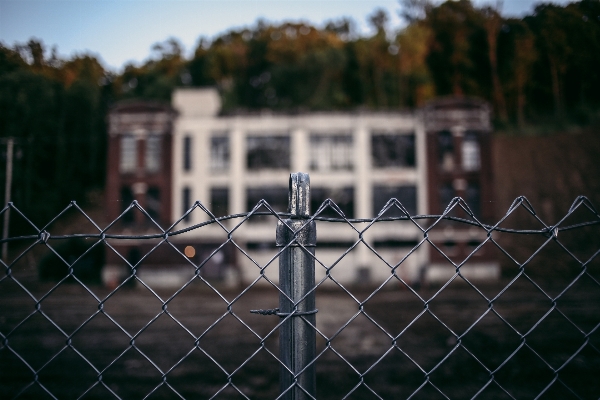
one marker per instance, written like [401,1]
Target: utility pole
[7,189]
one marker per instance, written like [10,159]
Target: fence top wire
[457,202]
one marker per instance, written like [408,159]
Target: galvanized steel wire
[361,384]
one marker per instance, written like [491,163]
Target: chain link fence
[293,326]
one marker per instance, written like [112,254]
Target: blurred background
[64,64]
[536,63]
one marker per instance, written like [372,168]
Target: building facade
[459,164]
[140,137]
[359,160]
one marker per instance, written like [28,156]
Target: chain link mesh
[533,333]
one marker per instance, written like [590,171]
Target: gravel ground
[245,345]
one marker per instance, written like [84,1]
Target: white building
[360,160]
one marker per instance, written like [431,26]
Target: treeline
[543,67]
[545,64]
[55,111]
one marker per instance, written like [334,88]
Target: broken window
[393,150]
[331,152]
[268,152]
[219,153]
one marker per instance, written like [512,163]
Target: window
[219,201]
[446,150]
[268,152]
[153,153]
[470,152]
[219,153]
[277,197]
[331,152]
[407,195]
[343,197]
[153,203]
[128,159]
[473,198]
[469,191]
[393,150]
[449,247]
[447,193]
[187,153]
[134,256]
[186,202]
[126,200]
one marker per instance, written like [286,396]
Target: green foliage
[544,65]
[56,115]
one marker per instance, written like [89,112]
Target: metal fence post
[297,338]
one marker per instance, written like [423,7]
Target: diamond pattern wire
[533,333]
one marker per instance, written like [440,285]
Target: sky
[123,31]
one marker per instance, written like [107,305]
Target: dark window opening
[134,256]
[472,246]
[449,247]
[394,244]
[126,200]
[277,197]
[219,201]
[186,202]
[153,203]
[407,195]
[393,150]
[447,193]
[473,198]
[261,245]
[342,197]
[187,153]
[446,150]
[268,152]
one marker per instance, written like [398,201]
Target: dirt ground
[196,347]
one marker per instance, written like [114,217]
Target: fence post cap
[299,195]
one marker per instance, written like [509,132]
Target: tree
[414,10]
[458,57]
[492,23]
[518,53]
[417,84]
[56,110]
